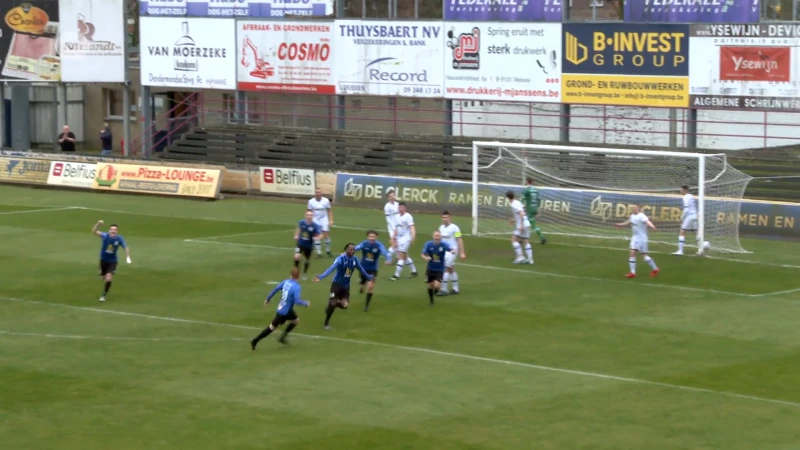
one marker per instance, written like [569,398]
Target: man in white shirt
[688,219]
[522,231]
[391,211]
[451,234]
[639,224]
[323,216]
[404,234]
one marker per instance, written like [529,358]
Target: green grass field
[565,354]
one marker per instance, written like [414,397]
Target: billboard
[288,57]
[629,65]
[503,61]
[506,10]
[287,181]
[391,58]
[236,8]
[92,37]
[702,11]
[745,67]
[160,180]
[24,170]
[72,174]
[191,53]
[29,40]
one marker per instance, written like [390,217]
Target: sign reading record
[629,65]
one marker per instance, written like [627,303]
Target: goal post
[586,190]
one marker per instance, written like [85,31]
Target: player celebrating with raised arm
[323,216]
[639,224]
[112,241]
[290,296]
[371,252]
[434,252]
[532,203]
[405,233]
[451,235]
[391,211]
[522,231]
[344,265]
[688,219]
[306,234]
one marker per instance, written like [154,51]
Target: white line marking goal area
[463,356]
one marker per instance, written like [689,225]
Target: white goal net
[584,191]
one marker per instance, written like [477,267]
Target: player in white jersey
[688,219]
[451,235]
[323,216]
[522,231]
[639,224]
[391,211]
[404,234]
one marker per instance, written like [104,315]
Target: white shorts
[323,225]
[689,223]
[525,234]
[391,231]
[403,244]
[639,244]
[449,260]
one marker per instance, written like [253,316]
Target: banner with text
[702,11]
[160,180]
[389,58]
[503,61]
[506,10]
[773,219]
[287,57]
[236,8]
[745,67]
[629,65]
[72,174]
[29,40]
[286,181]
[188,53]
[92,37]
[24,170]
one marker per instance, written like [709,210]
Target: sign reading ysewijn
[745,67]
[73,174]
[505,10]
[24,170]
[268,9]
[162,180]
[92,37]
[282,180]
[389,58]
[289,57]
[634,65]
[188,52]
[503,61]
[702,11]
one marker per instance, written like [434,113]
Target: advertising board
[92,37]
[503,61]
[24,170]
[192,53]
[629,65]
[287,181]
[160,180]
[688,11]
[285,56]
[29,40]
[506,10]
[394,58]
[267,9]
[72,174]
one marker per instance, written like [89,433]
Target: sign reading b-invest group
[631,64]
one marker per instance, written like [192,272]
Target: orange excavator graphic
[263,69]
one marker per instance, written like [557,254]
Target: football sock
[263,334]
[305,267]
[398,268]
[107,287]
[632,263]
[296,263]
[650,262]
[328,245]
[329,313]
[538,231]
[517,249]
[454,280]
[430,294]
[369,298]
[529,251]
[410,263]
[318,246]
[681,243]
[445,279]
[288,329]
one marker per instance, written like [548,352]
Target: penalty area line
[463,356]
[28,211]
[254,233]
[115,338]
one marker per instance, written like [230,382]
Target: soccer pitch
[564,354]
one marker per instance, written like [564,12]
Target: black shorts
[107,267]
[305,251]
[434,276]
[280,319]
[374,274]
[339,292]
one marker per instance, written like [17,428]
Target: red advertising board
[755,64]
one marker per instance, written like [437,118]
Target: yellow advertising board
[159,180]
[668,92]
[23,170]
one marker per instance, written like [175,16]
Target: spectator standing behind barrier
[67,140]
[105,140]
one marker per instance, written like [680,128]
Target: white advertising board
[283,180]
[188,52]
[391,58]
[502,61]
[73,174]
[92,37]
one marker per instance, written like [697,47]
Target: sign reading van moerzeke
[754,67]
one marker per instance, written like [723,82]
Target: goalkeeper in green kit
[532,201]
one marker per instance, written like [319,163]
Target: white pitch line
[432,352]
[27,211]
[116,338]
[767,294]
[246,234]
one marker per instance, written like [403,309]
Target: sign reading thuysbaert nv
[74,174]
[282,180]
[162,180]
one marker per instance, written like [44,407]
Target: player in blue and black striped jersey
[306,233]
[290,296]
[112,241]
[345,266]
[371,252]
[434,252]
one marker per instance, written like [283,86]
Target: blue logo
[11,165]
[389,69]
